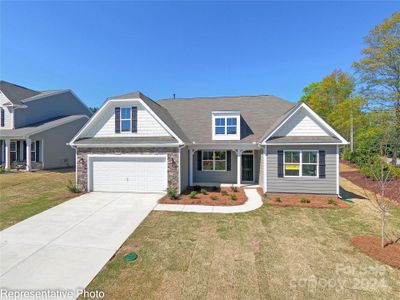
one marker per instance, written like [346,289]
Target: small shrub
[332,201]
[172,193]
[305,200]
[73,187]
[2,170]
[197,188]
[347,155]
[224,193]
[233,197]
[234,188]
[192,194]
[204,191]
[278,199]
[213,197]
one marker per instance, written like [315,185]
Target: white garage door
[128,173]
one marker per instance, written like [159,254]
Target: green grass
[24,194]
[264,254]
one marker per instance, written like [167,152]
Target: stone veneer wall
[172,154]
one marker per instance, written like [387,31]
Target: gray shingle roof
[126,140]
[15,93]
[160,111]
[303,139]
[259,113]
[38,127]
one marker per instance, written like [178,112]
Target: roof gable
[16,93]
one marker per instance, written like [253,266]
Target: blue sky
[101,49]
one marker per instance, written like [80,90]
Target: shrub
[278,199]
[204,191]
[234,188]
[2,170]
[224,193]
[305,200]
[73,187]
[332,201]
[192,194]
[172,193]
[213,197]
[373,170]
[233,197]
[347,154]
[197,188]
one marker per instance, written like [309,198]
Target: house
[35,126]
[134,144]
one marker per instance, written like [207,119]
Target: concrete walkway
[63,248]
[254,201]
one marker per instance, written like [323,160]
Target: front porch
[14,154]
[224,167]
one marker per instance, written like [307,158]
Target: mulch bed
[354,175]
[315,201]
[371,246]
[201,199]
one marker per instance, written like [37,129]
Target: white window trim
[14,151]
[121,119]
[213,160]
[225,116]
[225,126]
[300,164]
[33,149]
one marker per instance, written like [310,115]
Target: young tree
[379,72]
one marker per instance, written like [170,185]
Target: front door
[247,167]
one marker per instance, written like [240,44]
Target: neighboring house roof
[258,113]
[160,111]
[39,127]
[303,140]
[125,141]
[16,93]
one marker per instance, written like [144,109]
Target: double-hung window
[13,151]
[301,163]
[214,161]
[126,119]
[225,125]
[33,151]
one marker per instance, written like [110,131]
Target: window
[13,151]
[214,161]
[225,125]
[33,151]
[126,120]
[301,163]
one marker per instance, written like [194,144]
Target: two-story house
[35,126]
[134,144]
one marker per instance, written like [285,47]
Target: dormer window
[226,125]
[126,120]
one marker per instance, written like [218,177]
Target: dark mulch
[201,199]
[371,246]
[354,175]
[315,201]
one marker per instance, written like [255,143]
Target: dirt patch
[303,200]
[214,196]
[371,246]
[350,172]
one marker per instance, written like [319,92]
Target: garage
[128,173]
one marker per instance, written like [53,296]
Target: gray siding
[184,161]
[53,106]
[301,184]
[56,152]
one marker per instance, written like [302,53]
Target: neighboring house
[35,126]
[133,144]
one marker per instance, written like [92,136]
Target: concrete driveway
[64,247]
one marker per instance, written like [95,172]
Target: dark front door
[247,167]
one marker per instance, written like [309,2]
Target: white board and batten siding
[302,124]
[105,126]
[130,173]
[8,112]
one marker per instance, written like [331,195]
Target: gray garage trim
[312,185]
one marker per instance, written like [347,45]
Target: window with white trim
[301,163]
[13,151]
[213,160]
[126,119]
[33,151]
[225,125]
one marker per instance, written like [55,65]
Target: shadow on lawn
[349,195]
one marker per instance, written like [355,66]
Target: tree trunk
[396,144]
[382,230]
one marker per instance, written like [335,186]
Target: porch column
[28,154]
[191,153]
[7,157]
[239,166]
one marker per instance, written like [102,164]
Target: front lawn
[270,253]
[24,194]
